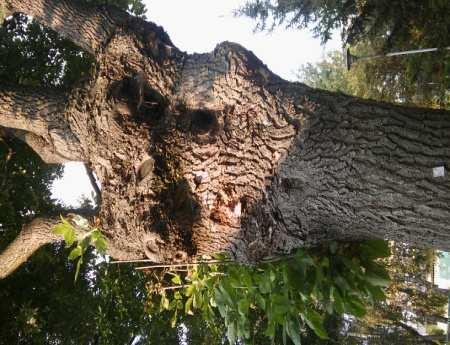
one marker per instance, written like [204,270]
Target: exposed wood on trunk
[213,152]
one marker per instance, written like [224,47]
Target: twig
[129,261]
[206,262]
[180,265]
[175,287]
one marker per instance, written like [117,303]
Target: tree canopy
[388,80]
[396,23]
[375,27]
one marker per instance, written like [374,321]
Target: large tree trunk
[213,152]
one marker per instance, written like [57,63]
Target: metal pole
[351,59]
[448,317]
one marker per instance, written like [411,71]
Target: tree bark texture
[32,237]
[213,152]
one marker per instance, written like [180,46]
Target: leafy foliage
[389,81]
[373,27]
[395,21]
[280,298]
[24,187]
[43,306]
[411,298]
[33,55]
[80,241]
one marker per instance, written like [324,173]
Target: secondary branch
[38,119]
[87,27]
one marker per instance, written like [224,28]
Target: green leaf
[284,332]
[77,271]
[378,274]
[243,306]
[189,290]
[188,307]
[84,243]
[264,284]
[376,293]
[260,301]
[212,302]
[293,330]
[303,259]
[337,299]
[225,293]
[315,322]
[280,305]
[195,301]
[377,281]
[325,262]
[173,321]
[355,307]
[231,332]
[67,231]
[176,279]
[98,240]
[375,249]
[101,245]
[75,253]
[164,305]
[270,330]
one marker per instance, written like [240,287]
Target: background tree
[373,27]
[385,79]
[396,22]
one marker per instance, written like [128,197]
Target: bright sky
[198,26]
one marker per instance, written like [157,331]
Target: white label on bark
[438,171]
[237,209]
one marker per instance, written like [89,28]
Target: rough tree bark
[213,152]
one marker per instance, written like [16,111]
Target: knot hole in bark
[203,125]
[135,98]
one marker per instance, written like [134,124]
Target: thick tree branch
[33,236]
[39,232]
[88,27]
[38,118]
[364,168]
